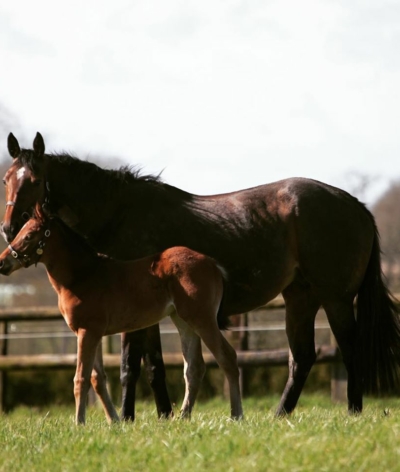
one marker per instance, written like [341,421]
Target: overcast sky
[222,95]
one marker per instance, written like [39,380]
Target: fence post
[338,379]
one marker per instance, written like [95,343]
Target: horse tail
[378,328]
[223,319]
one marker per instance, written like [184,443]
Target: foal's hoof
[113,420]
[185,415]
[281,413]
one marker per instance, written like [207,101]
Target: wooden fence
[238,336]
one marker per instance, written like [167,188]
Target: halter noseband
[26,257]
[25,215]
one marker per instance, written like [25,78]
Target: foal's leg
[87,346]
[99,384]
[193,364]
[301,309]
[344,327]
[226,358]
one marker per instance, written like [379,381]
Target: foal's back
[131,295]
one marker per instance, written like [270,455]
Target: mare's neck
[150,216]
[76,196]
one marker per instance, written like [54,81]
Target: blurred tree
[359,184]
[387,214]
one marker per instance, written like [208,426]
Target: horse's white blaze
[20,173]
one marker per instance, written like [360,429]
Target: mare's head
[25,184]
[27,247]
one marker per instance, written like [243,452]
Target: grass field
[317,437]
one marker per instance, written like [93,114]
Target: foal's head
[27,247]
[25,184]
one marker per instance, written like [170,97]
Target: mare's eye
[28,237]
[37,182]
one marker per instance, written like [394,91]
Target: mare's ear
[38,145]
[13,146]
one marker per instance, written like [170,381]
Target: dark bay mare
[98,295]
[315,244]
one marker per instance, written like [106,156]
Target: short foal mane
[76,238]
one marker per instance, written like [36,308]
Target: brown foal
[99,296]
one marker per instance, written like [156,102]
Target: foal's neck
[66,256]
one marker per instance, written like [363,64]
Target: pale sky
[222,95]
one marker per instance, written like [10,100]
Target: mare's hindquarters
[339,257]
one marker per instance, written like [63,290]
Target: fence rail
[237,336]
[245,359]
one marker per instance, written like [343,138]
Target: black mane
[125,174]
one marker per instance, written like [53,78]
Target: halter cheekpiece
[27,257]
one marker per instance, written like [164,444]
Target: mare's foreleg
[155,370]
[144,343]
[131,358]
[87,346]
[193,364]
[301,309]
[99,384]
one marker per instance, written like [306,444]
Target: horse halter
[25,215]
[24,258]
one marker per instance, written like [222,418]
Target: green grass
[319,436]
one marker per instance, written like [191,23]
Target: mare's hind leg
[344,327]
[99,384]
[144,343]
[193,364]
[301,309]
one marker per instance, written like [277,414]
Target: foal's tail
[378,328]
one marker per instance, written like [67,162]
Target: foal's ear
[38,145]
[13,146]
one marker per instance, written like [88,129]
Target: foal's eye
[37,182]
[4,182]
[28,237]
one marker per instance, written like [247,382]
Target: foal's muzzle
[6,266]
